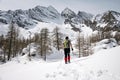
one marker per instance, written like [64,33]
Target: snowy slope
[103,65]
[66,29]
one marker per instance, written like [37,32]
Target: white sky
[91,6]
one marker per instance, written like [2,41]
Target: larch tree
[57,38]
[44,42]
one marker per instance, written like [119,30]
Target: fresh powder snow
[103,65]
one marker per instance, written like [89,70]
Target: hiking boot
[65,62]
[69,61]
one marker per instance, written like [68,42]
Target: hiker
[67,45]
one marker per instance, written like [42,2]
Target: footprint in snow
[99,73]
[47,75]
[60,73]
[64,74]
[50,75]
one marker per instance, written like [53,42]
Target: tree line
[11,45]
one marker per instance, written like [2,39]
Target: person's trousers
[67,55]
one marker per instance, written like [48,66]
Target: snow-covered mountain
[84,18]
[108,16]
[30,17]
[68,13]
[50,16]
[18,16]
[36,18]
[109,19]
[79,18]
[43,14]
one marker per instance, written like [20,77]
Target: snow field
[103,65]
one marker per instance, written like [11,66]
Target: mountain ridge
[31,16]
[49,14]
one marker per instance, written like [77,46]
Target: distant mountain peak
[84,15]
[109,20]
[68,13]
[67,9]
[108,16]
[112,11]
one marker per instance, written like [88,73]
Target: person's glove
[72,49]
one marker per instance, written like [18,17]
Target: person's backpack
[66,44]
